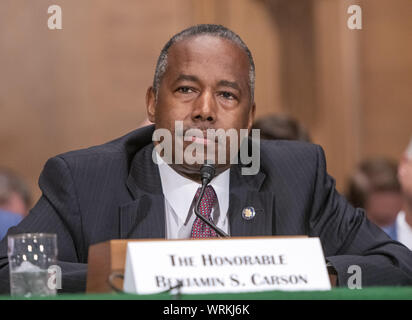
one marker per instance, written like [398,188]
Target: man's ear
[151,104]
[251,116]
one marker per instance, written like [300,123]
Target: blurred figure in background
[375,187]
[404,219]
[15,200]
[281,127]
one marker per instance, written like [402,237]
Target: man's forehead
[210,51]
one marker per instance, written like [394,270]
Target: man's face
[206,86]
[382,207]
[405,176]
[14,203]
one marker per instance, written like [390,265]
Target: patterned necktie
[200,229]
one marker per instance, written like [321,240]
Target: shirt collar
[180,191]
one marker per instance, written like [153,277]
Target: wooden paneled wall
[84,85]
[351,88]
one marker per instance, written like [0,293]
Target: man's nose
[204,108]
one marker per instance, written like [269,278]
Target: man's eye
[228,95]
[185,90]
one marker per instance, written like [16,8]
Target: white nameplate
[228,265]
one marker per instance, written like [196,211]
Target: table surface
[371,293]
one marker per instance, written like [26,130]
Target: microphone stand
[207,172]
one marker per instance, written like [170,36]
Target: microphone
[207,172]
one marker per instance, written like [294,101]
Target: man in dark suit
[204,78]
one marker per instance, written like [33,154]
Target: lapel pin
[248,213]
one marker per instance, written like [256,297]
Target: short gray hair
[203,29]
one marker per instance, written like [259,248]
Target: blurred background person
[14,193]
[15,200]
[8,220]
[281,127]
[374,186]
[404,219]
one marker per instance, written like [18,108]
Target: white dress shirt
[179,193]
[403,230]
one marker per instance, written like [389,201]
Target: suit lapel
[144,217]
[245,192]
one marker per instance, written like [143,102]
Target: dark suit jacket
[114,191]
